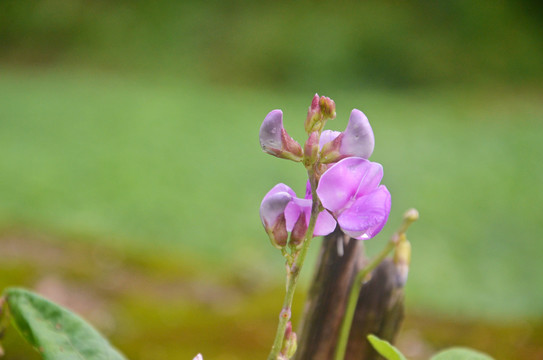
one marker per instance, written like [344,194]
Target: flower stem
[293,271]
[409,217]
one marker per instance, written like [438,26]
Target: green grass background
[176,166]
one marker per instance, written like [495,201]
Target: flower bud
[321,109]
[311,149]
[272,215]
[357,140]
[411,215]
[298,231]
[290,342]
[275,140]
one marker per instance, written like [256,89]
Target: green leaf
[385,349]
[55,332]
[459,353]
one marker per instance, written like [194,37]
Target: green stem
[294,272]
[341,346]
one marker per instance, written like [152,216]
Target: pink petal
[339,184]
[272,207]
[358,139]
[302,207]
[293,211]
[371,179]
[270,132]
[327,136]
[325,224]
[367,215]
[274,204]
[279,188]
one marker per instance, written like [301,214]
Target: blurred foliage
[177,165]
[152,307]
[283,43]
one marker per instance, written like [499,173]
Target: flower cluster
[347,183]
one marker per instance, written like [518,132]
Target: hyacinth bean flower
[351,191]
[198,357]
[275,140]
[281,212]
[357,140]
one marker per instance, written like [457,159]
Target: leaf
[459,353]
[55,332]
[385,349]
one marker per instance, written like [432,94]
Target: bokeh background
[131,174]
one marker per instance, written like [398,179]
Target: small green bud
[311,149]
[321,109]
[290,342]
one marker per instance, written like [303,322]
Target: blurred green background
[131,174]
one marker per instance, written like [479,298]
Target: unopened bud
[272,215]
[411,215]
[275,140]
[298,231]
[290,342]
[311,149]
[328,107]
[321,109]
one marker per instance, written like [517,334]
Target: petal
[325,221]
[270,132]
[272,207]
[358,139]
[293,211]
[325,224]
[367,215]
[279,188]
[198,357]
[371,179]
[339,184]
[327,136]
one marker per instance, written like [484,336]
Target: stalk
[293,271]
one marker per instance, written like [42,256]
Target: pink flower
[357,140]
[281,212]
[351,191]
[275,140]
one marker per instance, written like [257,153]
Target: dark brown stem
[327,297]
[379,309]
